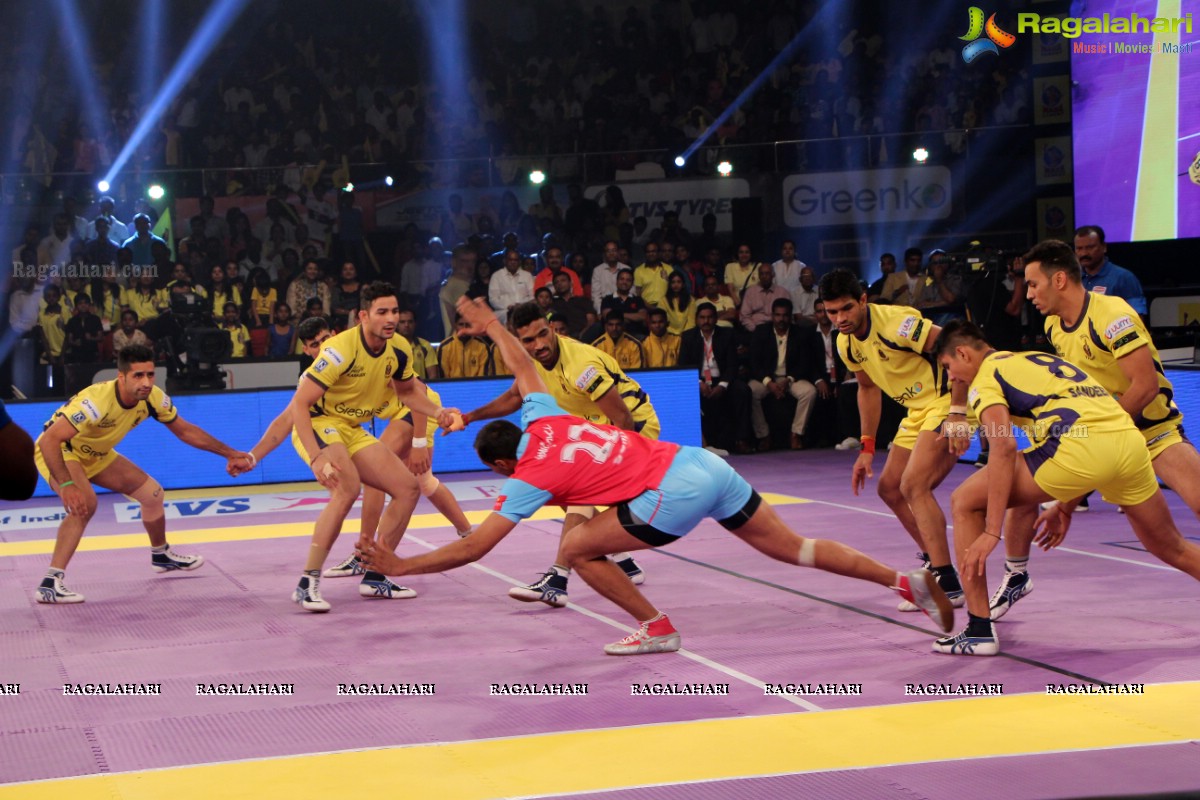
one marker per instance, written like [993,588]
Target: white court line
[1189,136]
[1058,549]
[699,659]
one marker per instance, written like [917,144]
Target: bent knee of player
[150,497]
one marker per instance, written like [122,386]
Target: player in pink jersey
[657,492]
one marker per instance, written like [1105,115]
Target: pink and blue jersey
[564,460]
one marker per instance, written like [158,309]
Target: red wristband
[868,444]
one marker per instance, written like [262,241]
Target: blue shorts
[697,485]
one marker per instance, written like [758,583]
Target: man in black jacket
[785,359]
[724,400]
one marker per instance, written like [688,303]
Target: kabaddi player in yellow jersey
[75,451]
[587,383]
[357,376]
[1081,440]
[889,349]
[1107,339]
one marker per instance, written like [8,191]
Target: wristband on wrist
[997,536]
[958,410]
[419,443]
[253,460]
[868,444]
[65,484]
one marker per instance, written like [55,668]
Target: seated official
[785,359]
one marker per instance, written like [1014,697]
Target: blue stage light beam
[220,16]
[815,27]
[79,55]
[446,31]
[151,40]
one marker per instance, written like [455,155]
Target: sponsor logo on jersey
[90,408]
[320,365]
[499,502]
[973,396]
[906,327]
[78,417]
[332,355]
[1120,324]
[586,378]
[165,405]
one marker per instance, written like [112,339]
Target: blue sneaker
[384,588]
[351,566]
[171,561]
[1014,586]
[551,589]
[963,645]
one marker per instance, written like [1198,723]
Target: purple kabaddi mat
[1101,611]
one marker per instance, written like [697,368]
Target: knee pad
[150,497]
[428,483]
[587,512]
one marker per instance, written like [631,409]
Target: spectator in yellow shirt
[231,322]
[619,344]
[661,347]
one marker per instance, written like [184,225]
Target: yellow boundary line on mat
[222,532]
[680,753]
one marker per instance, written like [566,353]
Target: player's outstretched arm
[483,320]
[463,551]
[201,439]
[502,406]
[279,429]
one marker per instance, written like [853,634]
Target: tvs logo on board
[996,36]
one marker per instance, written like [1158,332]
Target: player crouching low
[656,492]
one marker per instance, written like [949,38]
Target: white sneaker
[351,566]
[308,595]
[849,443]
[716,451]
[51,590]
[385,589]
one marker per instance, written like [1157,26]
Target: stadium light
[349,187]
[537,177]
[155,192]
[388,180]
[103,186]
[920,155]
[725,169]
[680,161]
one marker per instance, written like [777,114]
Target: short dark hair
[1056,256]
[840,283]
[375,290]
[892,256]
[662,312]
[543,288]
[1088,230]
[782,302]
[229,305]
[498,439]
[524,314]
[83,297]
[133,354]
[706,307]
[958,332]
[615,314]
[912,251]
[311,328]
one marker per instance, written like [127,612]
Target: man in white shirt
[117,231]
[604,275]
[56,248]
[788,267]
[509,286]
[804,297]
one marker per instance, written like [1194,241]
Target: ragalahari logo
[996,36]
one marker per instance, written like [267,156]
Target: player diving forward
[657,492]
